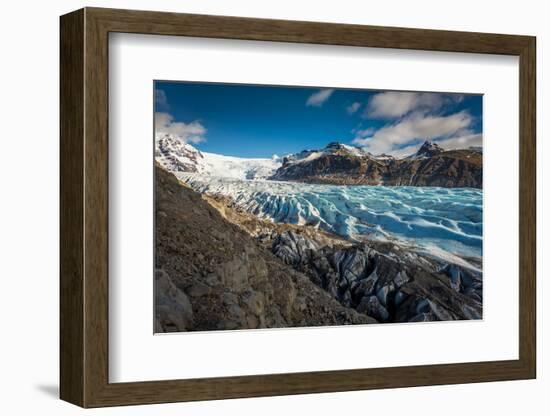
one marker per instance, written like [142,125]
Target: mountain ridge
[340,164]
[336,164]
[176,156]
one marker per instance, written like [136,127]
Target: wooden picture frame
[84,207]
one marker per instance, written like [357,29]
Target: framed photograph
[260,207]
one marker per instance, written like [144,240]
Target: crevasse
[430,217]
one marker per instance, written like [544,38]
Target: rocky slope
[428,149]
[345,165]
[389,282]
[386,281]
[221,268]
[212,275]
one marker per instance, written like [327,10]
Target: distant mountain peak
[174,155]
[334,145]
[338,147]
[429,149]
[384,156]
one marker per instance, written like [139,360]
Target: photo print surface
[283,206]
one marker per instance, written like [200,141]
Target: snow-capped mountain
[341,164]
[332,148]
[428,149]
[177,156]
[336,163]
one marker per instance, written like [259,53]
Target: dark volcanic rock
[429,149]
[464,281]
[372,307]
[293,248]
[380,280]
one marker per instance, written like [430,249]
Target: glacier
[237,167]
[431,218]
[175,155]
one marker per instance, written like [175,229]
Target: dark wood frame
[84,208]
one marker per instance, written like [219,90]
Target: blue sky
[260,121]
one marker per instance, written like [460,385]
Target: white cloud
[352,109]
[462,142]
[161,100]
[406,151]
[188,132]
[393,138]
[393,105]
[369,131]
[318,99]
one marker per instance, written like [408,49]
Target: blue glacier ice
[448,219]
